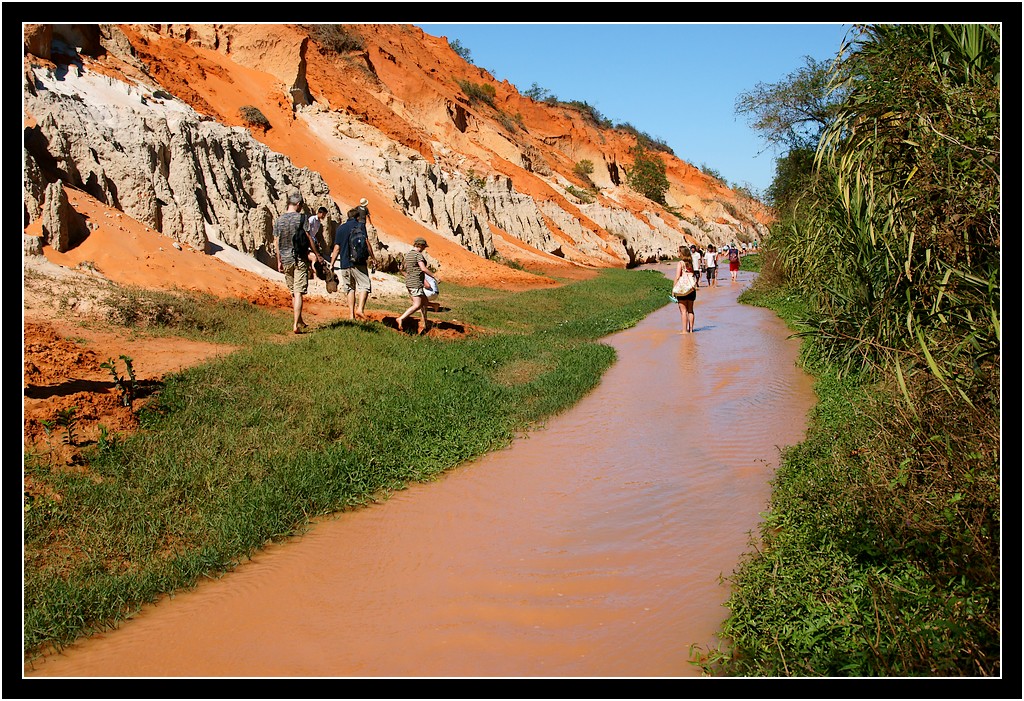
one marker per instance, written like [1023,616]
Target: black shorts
[688,297]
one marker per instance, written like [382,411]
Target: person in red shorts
[734,262]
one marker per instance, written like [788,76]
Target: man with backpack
[293,255]
[734,262]
[354,255]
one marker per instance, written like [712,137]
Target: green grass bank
[879,555]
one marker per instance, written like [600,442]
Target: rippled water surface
[592,547]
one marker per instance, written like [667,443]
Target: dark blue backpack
[358,248]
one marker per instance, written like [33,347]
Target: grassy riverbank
[247,449]
[880,553]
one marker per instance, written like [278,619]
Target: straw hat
[363,202]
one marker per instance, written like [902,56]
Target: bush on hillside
[334,38]
[253,117]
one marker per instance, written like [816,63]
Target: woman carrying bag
[684,288]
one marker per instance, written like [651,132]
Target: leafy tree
[793,176]
[647,176]
[584,168]
[538,93]
[793,112]
[790,116]
[460,50]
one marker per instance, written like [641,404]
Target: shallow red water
[590,548]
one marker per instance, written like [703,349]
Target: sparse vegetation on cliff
[335,38]
[460,50]
[644,139]
[477,92]
[581,195]
[253,117]
[647,175]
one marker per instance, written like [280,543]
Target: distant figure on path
[685,279]
[711,265]
[415,272]
[294,264]
[353,253]
[696,258]
[734,262]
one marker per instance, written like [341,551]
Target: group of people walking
[705,262]
[298,256]
[693,263]
[352,256]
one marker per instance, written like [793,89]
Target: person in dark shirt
[353,276]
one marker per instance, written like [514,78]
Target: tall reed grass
[880,554]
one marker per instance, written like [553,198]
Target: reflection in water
[591,548]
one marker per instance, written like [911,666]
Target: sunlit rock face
[201,131]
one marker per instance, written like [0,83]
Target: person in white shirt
[697,259]
[711,266]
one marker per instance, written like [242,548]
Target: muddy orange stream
[590,548]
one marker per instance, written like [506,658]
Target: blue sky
[677,83]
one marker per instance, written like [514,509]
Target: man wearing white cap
[364,212]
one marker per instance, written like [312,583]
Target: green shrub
[511,124]
[584,168]
[647,175]
[253,117]
[477,92]
[582,195]
[644,139]
[334,38]
[589,112]
[535,92]
[460,50]
[709,171]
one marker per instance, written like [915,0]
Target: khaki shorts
[296,277]
[355,278]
